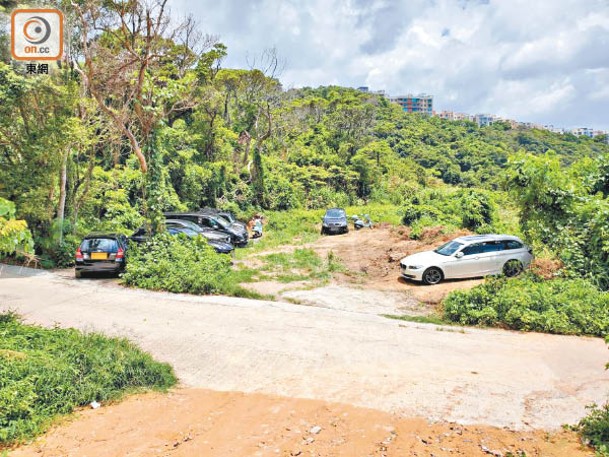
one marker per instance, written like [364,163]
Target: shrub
[48,372]
[14,234]
[564,306]
[470,209]
[594,428]
[177,264]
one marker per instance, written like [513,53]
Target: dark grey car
[334,221]
[209,220]
[101,253]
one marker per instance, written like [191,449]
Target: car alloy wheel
[512,268]
[432,276]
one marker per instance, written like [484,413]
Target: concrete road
[441,373]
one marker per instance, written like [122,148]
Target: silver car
[469,257]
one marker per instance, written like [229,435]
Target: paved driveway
[466,375]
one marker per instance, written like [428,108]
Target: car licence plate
[99,256]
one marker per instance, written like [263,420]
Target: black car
[101,252]
[228,215]
[210,234]
[220,243]
[210,220]
[334,221]
[221,247]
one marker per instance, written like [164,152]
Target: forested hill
[322,146]
[137,121]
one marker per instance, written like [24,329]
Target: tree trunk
[62,193]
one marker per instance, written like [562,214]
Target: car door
[490,257]
[468,264]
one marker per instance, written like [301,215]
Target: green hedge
[564,306]
[45,373]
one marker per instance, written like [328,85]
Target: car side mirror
[458,255]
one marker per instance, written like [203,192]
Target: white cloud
[541,61]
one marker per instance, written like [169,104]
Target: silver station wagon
[469,257]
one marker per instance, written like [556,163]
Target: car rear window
[99,244]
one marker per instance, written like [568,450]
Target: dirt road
[470,376]
[196,422]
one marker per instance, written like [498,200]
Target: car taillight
[79,254]
[120,255]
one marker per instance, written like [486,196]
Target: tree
[137,66]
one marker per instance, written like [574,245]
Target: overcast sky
[543,61]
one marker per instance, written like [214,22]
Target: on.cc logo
[37,30]
[37,34]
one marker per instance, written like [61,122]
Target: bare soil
[371,281]
[196,422]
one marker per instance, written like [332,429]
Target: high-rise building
[421,103]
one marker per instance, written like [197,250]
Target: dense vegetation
[565,306]
[141,120]
[178,264]
[45,373]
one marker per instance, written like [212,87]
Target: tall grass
[46,373]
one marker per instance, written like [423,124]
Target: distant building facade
[453,116]
[367,90]
[484,120]
[421,103]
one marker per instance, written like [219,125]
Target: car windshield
[99,244]
[222,222]
[224,225]
[184,230]
[228,216]
[449,248]
[183,223]
[335,213]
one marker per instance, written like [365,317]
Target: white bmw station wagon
[469,257]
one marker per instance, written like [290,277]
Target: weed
[46,373]
[430,319]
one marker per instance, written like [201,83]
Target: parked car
[228,215]
[207,219]
[221,247]
[218,240]
[469,257]
[101,252]
[334,221]
[210,234]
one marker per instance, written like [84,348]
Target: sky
[542,61]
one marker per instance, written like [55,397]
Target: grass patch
[46,373]
[430,319]
[241,274]
[301,265]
